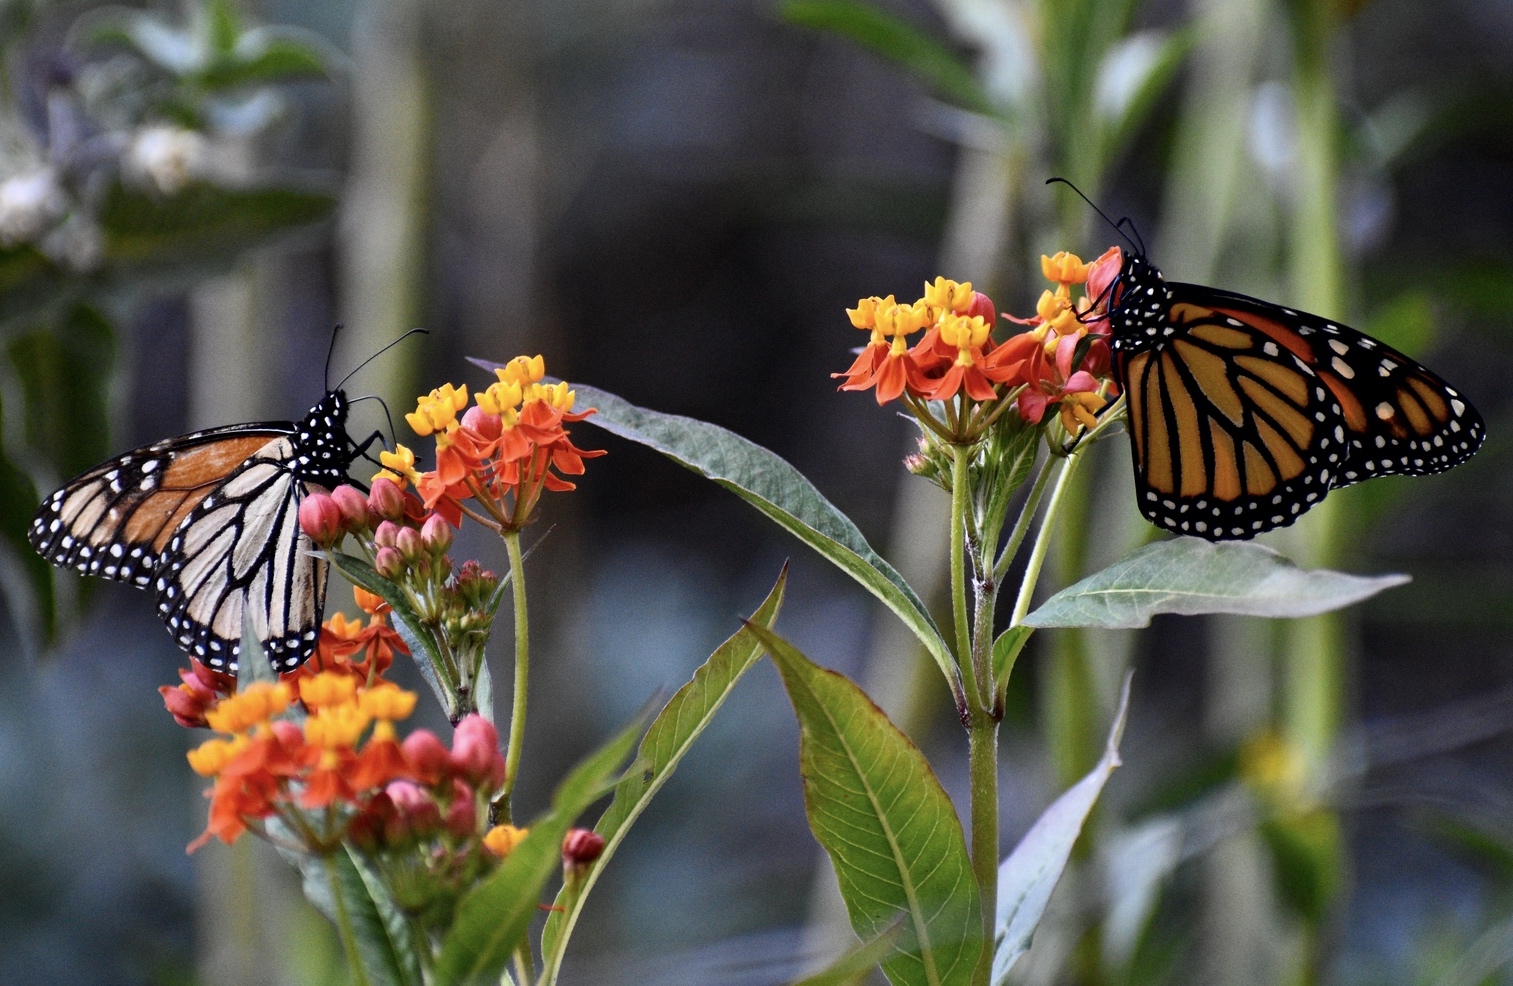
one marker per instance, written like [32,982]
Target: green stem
[522,674]
[1022,525]
[344,924]
[1042,541]
[983,754]
[960,457]
[522,960]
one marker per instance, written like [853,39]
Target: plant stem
[344,924]
[983,740]
[1042,541]
[960,457]
[1022,525]
[522,674]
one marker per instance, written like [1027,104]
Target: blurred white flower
[29,204]
[164,157]
[78,244]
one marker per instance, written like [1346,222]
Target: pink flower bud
[320,518]
[409,544]
[388,563]
[386,500]
[475,753]
[580,847]
[983,305]
[354,507]
[427,755]
[436,534]
[462,815]
[480,422]
[386,534]
[416,814]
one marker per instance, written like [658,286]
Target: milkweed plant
[414,846]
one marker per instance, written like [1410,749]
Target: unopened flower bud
[427,755]
[416,812]
[436,534]
[462,815]
[580,847]
[386,500]
[481,422]
[386,534]
[388,563]
[354,507]
[982,306]
[411,548]
[321,519]
[475,753]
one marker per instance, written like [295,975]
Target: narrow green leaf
[1006,651]
[897,40]
[64,368]
[29,592]
[493,919]
[386,945]
[1191,576]
[414,633]
[778,490]
[891,831]
[262,58]
[1131,78]
[681,722]
[853,968]
[1027,877]
[202,226]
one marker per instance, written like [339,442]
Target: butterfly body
[1244,414]
[209,523]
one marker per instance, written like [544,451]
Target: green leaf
[1027,877]
[853,968]
[891,832]
[778,490]
[1006,650]
[386,945]
[406,621]
[64,369]
[897,40]
[493,919]
[681,722]
[263,57]
[1191,576]
[203,226]
[30,596]
[1305,853]
[1131,78]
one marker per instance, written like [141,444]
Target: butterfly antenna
[349,376]
[383,404]
[330,348]
[1135,242]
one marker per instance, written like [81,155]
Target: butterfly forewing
[116,519]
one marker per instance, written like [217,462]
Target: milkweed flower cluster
[501,454]
[1060,361]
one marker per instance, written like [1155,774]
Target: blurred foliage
[122,189]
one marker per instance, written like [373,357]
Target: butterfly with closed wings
[209,522]
[1244,414]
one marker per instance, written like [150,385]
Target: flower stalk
[522,676]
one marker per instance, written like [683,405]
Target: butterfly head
[1138,315]
[322,449]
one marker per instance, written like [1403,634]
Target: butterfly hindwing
[1233,433]
[115,520]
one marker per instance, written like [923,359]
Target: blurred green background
[674,200]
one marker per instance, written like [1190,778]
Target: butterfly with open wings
[1244,414]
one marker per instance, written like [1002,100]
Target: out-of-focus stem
[960,458]
[522,674]
[344,925]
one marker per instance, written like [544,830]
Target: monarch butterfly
[208,522]
[1244,414]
